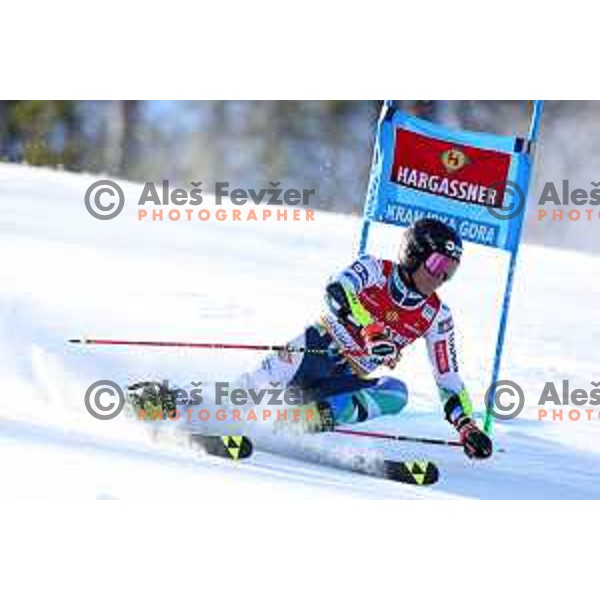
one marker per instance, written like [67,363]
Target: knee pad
[391,395]
[387,396]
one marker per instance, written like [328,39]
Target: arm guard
[341,295]
[344,304]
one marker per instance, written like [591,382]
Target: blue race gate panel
[476,182]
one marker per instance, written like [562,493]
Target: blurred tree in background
[39,132]
[326,145]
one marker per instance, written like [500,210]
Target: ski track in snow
[66,274]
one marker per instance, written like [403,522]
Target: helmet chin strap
[407,278]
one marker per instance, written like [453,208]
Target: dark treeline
[77,136]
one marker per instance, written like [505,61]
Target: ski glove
[380,345]
[458,409]
[476,443]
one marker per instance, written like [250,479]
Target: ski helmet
[423,238]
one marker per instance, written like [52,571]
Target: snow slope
[65,274]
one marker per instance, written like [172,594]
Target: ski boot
[312,417]
[151,400]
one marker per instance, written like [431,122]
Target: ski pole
[399,438]
[212,346]
[405,438]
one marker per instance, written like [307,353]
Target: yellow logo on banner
[454,159]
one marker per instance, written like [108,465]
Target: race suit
[337,365]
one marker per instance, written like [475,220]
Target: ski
[154,400]
[416,472]
[238,447]
[371,462]
[411,472]
[232,447]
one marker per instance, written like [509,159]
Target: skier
[374,309]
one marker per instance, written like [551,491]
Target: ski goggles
[440,265]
